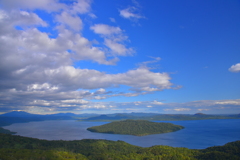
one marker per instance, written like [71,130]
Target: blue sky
[112,56]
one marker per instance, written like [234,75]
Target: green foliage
[22,148]
[36,154]
[135,127]
[230,151]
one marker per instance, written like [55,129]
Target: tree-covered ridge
[14,147]
[135,127]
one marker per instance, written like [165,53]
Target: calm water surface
[197,134]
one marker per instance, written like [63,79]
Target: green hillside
[14,147]
[135,127]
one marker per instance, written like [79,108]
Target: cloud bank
[41,42]
[37,71]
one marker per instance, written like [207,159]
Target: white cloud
[132,12]
[96,106]
[49,5]
[129,13]
[24,18]
[228,102]
[92,79]
[200,110]
[112,20]
[100,91]
[178,109]
[82,6]
[44,86]
[35,48]
[146,63]
[157,103]
[118,48]
[37,69]
[99,97]
[41,57]
[113,39]
[12,19]
[92,15]
[182,109]
[75,101]
[105,29]
[74,22]
[68,86]
[235,68]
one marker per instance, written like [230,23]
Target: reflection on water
[197,134]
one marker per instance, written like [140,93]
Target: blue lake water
[197,134]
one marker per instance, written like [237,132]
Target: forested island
[135,127]
[17,147]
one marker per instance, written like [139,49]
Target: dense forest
[135,127]
[14,147]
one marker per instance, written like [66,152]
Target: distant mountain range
[26,114]
[160,117]
[21,117]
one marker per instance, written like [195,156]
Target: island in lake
[135,127]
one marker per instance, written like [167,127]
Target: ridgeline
[135,127]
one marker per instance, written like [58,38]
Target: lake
[197,134]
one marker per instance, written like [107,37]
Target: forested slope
[16,147]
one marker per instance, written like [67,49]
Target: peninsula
[135,127]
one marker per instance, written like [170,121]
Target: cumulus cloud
[70,78]
[74,22]
[15,18]
[37,71]
[106,29]
[82,6]
[235,68]
[49,5]
[68,86]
